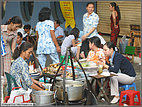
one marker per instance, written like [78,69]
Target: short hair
[28,26]
[20,34]
[57,22]
[110,45]
[44,14]
[90,3]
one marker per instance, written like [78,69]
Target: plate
[90,67]
[105,74]
[82,60]
[34,73]
[93,75]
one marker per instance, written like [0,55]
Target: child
[19,39]
[96,53]
[70,41]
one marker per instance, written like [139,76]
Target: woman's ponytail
[116,7]
[16,53]
[23,47]
[118,11]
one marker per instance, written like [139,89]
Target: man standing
[59,32]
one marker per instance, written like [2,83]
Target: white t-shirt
[23,32]
[67,43]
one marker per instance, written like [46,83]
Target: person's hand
[100,62]
[28,32]
[40,84]
[116,26]
[84,37]
[82,55]
[58,49]
[9,38]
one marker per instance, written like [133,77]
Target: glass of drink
[100,67]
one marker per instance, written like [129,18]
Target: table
[45,75]
[103,85]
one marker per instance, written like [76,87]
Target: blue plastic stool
[126,87]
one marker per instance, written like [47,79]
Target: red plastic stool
[139,55]
[130,97]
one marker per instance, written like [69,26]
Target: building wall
[13,9]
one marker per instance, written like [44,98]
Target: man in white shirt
[59,32]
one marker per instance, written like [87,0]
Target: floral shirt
[95,56]
[45,43]
[89,23]
[20,71]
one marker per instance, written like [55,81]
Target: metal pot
[43,97]
[73,88]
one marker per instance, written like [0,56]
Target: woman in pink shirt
[9,33]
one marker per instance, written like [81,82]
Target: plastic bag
[122,44]
[3,51]
[20,96]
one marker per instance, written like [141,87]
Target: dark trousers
[85,47]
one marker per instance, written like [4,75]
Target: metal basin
[43,97]
[74,90]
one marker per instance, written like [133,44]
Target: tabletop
[98,76]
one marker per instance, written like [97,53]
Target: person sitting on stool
[120,66]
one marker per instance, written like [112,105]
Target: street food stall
[70,85]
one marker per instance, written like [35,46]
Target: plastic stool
[130,98]
[62,57]
[126,87]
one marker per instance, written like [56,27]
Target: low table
[103,85]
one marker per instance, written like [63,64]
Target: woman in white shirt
[70,42]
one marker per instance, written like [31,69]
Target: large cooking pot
[43,97]
[73,88]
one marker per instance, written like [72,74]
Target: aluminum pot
[73,88]
[43,97]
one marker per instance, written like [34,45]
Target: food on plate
[54,65]
[88,64]
[52,69]
[85,64]
[77,85]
